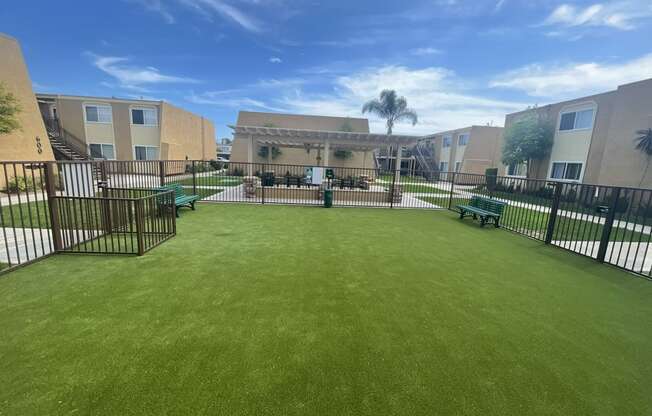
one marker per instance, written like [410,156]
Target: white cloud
[435,93]
[573,79]
[210,7]
[275,60]
[225,98]
[349,42]
[621,15]
[130,76]
[156,6]
[425,51]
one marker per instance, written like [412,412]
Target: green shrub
[21,184]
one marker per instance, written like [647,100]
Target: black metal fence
[112,206]
[60,207]
[610,224]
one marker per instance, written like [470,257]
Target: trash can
[328,198]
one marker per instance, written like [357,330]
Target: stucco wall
[185,135]
[306,122]
[21,144]
[71,116]
[484,149]
[622,164]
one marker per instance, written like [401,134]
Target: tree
[9,109]
[644,145]
[528,139]
[391,108]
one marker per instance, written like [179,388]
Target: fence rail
[112,206]
[69,207]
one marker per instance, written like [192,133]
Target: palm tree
[644,145]
[393,109]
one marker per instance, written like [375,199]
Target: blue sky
[458,62]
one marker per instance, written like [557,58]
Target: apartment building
[30,141]
[467,150]
[123,129]
[594,138]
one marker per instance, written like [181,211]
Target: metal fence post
[140,226]
[262,185]
[106,204]
[608,224]
[161,172]
[391,190]
[53,208]
[554,209]
[450,197]
[194,178]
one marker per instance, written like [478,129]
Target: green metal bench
[485,208]
[180,197]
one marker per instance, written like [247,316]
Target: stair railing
[75,145]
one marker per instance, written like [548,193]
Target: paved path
[18,245]
[633,256]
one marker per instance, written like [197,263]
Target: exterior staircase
[65,145]
[425,158]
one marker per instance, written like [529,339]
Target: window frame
[98,106]
[576,111]
[458,166]
[102,150]
[566,163]
[446,139]
[441,164]
[517,166]
[143,109]
[146,146]
[467,136]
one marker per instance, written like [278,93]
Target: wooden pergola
[321,140]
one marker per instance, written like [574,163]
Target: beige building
[30,141]
[111,128]
[314,154]
[594,138]
[466,150]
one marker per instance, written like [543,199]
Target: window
[146,152]
[576,120]
[446,142]
[144,116]
[443,166]
[101,151]
[463,139]
[566,171]
[458,166]
[517,170]
[98,114]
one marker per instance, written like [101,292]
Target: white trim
[94,104]
[158,149]
[576,108]
[102,144]
[141,107]
[516,176]
[582,167]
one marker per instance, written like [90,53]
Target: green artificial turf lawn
[271,310]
